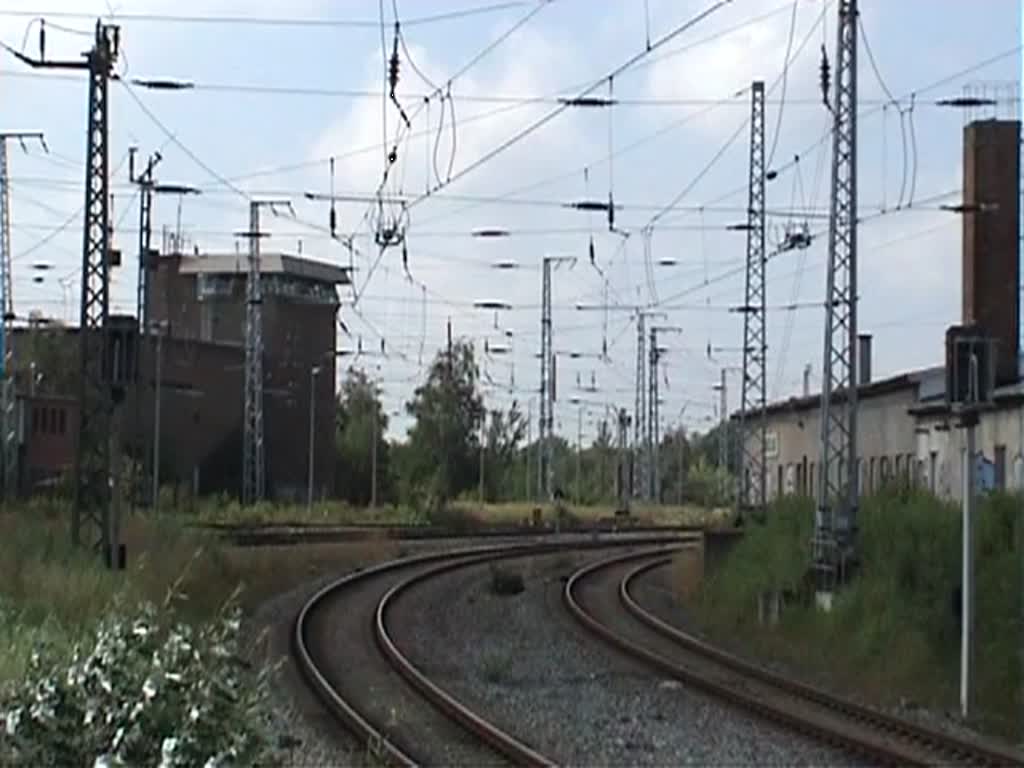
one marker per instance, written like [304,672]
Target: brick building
[199,304]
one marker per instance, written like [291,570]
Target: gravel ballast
[523,663]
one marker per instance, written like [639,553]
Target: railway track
[600,597]
[344,646]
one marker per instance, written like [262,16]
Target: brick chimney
[991,266]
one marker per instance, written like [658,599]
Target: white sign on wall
[771,440]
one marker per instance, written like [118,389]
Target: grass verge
[893,633]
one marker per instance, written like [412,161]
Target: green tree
[505,431]
[361,419]
[444,440]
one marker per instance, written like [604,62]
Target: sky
[274,103]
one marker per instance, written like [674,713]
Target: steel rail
[964,751]
[358,724]
[877,750]
[504,743]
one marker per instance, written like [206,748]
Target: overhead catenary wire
[544,120]
[271,21]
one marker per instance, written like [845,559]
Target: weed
[894,630]
[496,667]
[506,581]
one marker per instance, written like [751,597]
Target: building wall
[885,439]
[925,449]
[999,442]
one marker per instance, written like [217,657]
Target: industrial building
[197,307]
[905,428]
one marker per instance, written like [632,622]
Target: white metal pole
[967,576]
[312,422]
[156,420]
[579,451]
[373,460]
[483,438]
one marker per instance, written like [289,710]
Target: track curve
[344,648]
[599,596]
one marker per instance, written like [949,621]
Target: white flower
[167,750]
[193,714]
[174,677]
[118,736]
[13,719]
[90,715]
[149,688]
[140,630]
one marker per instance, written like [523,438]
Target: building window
[1000,468]
[811,480]
[933,468]
[35,420]
[781,488]
[63,417]
[899,466]
[53,421]
[803,477]
[884,469]
[871,476]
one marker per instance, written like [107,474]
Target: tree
[444,440]
[505,431]
[357,408]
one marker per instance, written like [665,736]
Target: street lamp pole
[157,386]
[313,372]
[373,459]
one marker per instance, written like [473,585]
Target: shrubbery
[142,691]
[894,631]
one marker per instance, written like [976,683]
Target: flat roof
[270,263]
[875,388]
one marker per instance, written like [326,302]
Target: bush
[144,692]
[894,630]
[505,581]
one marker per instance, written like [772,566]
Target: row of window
[801,477]
[49,421]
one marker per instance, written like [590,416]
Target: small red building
[48,426]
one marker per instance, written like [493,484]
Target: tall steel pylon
[835,529]
[8,398]
[753,399]
[98,369]
[93,500]
[640,483]
[253,456]
[654,412]
[545,468]
[149,189]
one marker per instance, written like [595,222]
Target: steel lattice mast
[836,527]
[640,410]
[93,500]
[545,468]
[7,386]
[654,412]
[252,438]
[753,398]
[544,460]
[10,435]
[99,371]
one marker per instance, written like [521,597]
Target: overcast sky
[274,103]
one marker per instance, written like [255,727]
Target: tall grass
[893,632]
[52,591]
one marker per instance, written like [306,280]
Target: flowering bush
[147,692]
